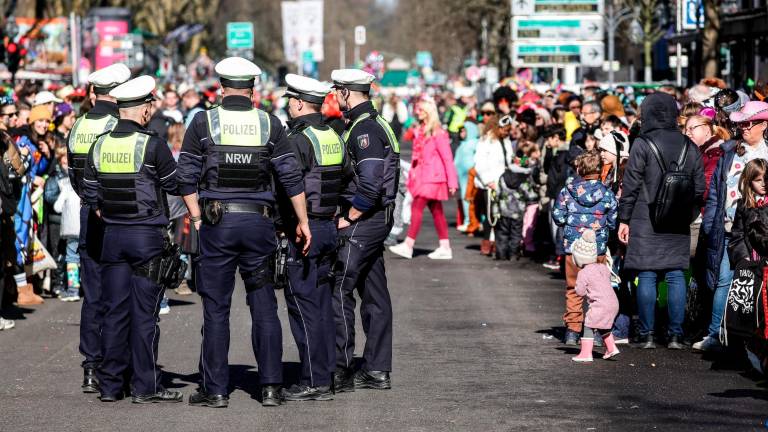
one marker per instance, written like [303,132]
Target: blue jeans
[721,294]
[72,256]
[676,296]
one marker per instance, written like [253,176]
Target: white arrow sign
[531,7]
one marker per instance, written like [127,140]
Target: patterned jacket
[585,204]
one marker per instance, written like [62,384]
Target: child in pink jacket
[594,282]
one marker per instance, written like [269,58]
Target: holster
[166,269]
[389,213]
[212,211]
[280,260]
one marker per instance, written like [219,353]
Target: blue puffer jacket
[713,222]
[585,204]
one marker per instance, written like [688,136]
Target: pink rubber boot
[586,351]
[610,346]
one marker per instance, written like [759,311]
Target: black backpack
[674,208]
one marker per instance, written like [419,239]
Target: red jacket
[710,154]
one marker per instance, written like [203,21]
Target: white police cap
[237,72]
[107,78]
[137,91]
[352,79]
[306,88]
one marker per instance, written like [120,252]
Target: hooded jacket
[585,204]
[647,249]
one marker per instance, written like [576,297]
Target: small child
[68,204]
[584,203]
[594,282]
[533,154]
[516,193]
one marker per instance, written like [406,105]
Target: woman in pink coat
[432,179]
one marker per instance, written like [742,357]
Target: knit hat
[609,143]
[40,112]
[584,249]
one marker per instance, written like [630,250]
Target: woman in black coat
[654,255]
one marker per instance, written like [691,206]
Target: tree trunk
[709,37]
[648,59]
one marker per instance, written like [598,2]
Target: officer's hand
[303,235]
[342,223]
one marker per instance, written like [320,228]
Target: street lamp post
[613,19]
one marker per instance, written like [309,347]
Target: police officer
[100,119]
[127,172]
[323,163]
[229,155]
[364,224]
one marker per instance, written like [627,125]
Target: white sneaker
[462,228]
[402,249]
[624,341]
[165,310]
[6,324]
[441,254]
[708,344]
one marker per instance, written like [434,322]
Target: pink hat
[753,110]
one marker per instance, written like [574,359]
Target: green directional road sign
[557,54]
[558,27]
[239,35]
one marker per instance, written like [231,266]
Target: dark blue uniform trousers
[130,333]
[92,311]
[360,265]
[247,241]
[308,297]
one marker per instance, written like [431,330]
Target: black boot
[378,380]
[271,396]
[200,398]
[90,382]
[343,380]
[305,393]
[159,397]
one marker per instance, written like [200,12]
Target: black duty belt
[263,210]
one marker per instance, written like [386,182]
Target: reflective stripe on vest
[86,130]
[384,125]
[328,146]
[390,134]
[239,128]
[123,155]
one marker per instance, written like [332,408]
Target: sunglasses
[749,125]
[11,114]
[488,113]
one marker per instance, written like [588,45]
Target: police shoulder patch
[363,141]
